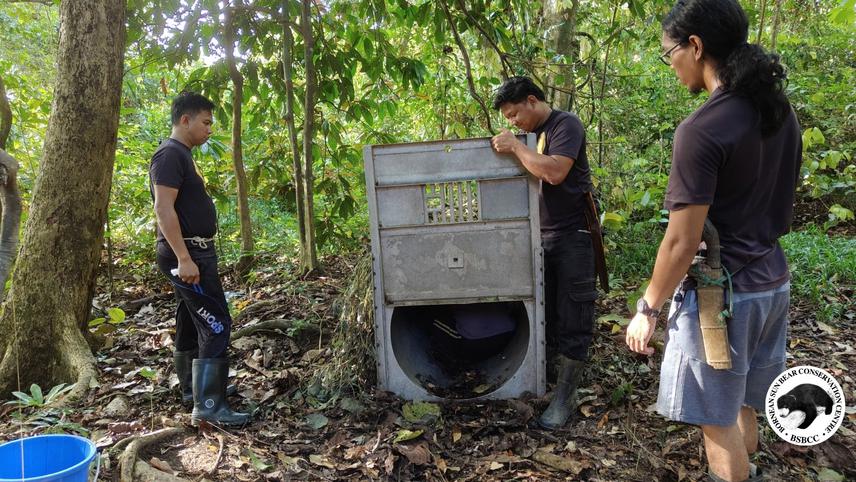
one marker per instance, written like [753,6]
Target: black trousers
[570,293]
[202,317]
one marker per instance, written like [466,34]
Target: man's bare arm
[550,168]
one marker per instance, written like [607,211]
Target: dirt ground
[302,430]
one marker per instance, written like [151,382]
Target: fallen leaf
[404,435]
[355,452]
[456,434]
[482,388]
[352,405]
[420,412]
[495,466]
[826,328]
[258,463]
[161,465]
[829,475]
[316,420]
[587,410]
[603,420]
[287,460]
[560,463]
[441,464]
[503,459]
[417,454]
[613,318]
[389,463]
[322,461]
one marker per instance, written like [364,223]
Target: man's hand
[188,271]
[505,142]
[639,332]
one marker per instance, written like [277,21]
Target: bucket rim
[90,455]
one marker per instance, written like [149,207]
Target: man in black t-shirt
[567,218]
[186,224]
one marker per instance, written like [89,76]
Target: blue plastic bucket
[46,458]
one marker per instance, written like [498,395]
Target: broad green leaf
[610,318]
[612,220]
[36,392]
[404,435]
[96,322]
[116,315]
[420,412]
[844,14]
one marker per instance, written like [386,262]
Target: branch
[466,57]
[506,65]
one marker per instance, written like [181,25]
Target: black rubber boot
[209,394]
[565,395]
[184,371]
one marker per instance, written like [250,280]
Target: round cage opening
[460,351]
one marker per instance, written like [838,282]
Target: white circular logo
[805,405]
[209,403]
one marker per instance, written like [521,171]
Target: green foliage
[822,268]
[36,398]
[391,71]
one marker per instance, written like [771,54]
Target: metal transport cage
[456,248]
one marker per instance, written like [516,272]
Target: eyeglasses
[666,57]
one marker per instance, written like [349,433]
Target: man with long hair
[735,162]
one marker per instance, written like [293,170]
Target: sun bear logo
[805,405]
[806,399]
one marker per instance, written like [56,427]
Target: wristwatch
[642,307]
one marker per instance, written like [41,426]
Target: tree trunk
[309,259]
[565,43]
[774,36]
[288,74]
[10,199]
[761,22]
[5,115]
[246,259]
[42,329]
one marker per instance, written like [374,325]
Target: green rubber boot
[565,395]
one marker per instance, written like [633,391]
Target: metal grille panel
[452,202]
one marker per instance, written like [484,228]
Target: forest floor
[300,431]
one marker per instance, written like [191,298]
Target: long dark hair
[743,68]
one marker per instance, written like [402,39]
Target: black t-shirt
[562,206]
[720,159]
[172,166]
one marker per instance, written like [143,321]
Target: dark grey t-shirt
[562,205]
[172,166]
[720,159]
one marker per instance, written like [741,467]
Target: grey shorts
[691,391]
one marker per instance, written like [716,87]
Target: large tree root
[256,308]
[132,469]
[278,326]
